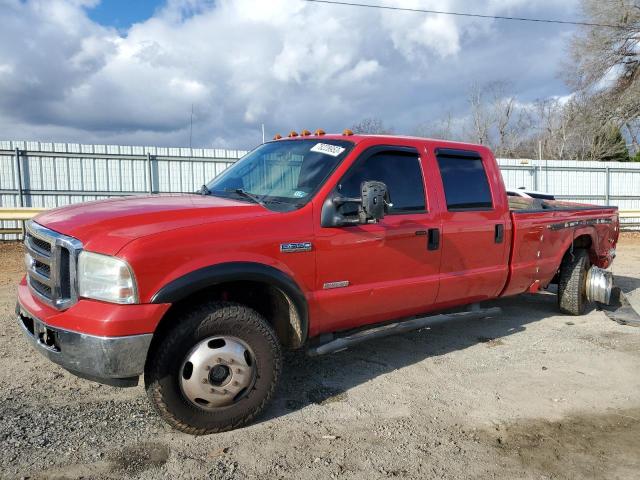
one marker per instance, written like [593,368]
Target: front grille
[41,288]
[51,265]
[42,268]
[40,245]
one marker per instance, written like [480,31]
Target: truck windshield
[281,175]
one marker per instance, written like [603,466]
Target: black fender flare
[205,277]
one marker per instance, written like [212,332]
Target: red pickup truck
[313,241]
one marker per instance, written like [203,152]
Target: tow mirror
[375,201]
[373,204]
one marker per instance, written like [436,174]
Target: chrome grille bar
[50,278]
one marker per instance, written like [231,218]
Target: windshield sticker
[299,194]
[333,150]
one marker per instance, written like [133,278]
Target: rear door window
[465,181]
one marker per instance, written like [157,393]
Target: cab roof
[406,140]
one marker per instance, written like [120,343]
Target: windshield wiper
[259,200]
[248,195]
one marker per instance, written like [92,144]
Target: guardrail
[17,214]
[629,219]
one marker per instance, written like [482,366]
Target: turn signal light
[277,136]
[347,132]
[293,133]
[320,132]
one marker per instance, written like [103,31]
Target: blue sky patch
[121,14]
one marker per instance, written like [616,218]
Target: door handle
[433,242]
[499,233]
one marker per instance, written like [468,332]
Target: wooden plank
[17,213]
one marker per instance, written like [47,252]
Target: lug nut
[204,380]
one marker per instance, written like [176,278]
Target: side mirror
[375,201]
[373,206]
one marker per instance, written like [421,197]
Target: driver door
[377,272]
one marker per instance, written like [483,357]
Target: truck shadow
[327,379]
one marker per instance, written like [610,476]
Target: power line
[472,15]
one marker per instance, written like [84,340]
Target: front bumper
[117,361]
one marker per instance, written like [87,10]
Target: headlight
[105,278]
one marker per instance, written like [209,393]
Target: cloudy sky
[128,72]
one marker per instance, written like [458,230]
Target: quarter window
[466,186]
[401,173]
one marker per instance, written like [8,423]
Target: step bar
[342,343]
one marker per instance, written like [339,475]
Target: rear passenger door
[475,249]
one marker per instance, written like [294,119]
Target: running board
[342,343]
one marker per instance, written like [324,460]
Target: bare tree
[605,66]
[497,118]
[440,129]
[371,126]
[480,117]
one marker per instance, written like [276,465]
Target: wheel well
[583,241]
[269,301]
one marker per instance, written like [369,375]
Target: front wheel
[216,370]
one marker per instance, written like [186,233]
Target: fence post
[19,172]
[546,176]
[20,189]
[608,185]
[149,176]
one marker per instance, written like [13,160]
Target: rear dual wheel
[572,284]
[216,370]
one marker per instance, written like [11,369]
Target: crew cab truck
[309,241]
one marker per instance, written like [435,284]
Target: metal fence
[38,174]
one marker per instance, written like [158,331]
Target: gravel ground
[530,394]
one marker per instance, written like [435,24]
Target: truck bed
[542,231]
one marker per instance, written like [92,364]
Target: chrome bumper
[117,361]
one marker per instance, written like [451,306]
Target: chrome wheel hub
[217,372]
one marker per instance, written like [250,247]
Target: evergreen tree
[610,146]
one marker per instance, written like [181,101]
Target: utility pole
[191,129]
[546,167]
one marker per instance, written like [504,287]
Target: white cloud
[286,63]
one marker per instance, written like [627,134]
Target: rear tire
[572,291]
[216,370]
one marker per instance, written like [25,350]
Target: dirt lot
[530,394]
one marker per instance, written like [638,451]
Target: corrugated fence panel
[57,174]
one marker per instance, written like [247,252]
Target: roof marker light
[305,133]
[347,132]
[293,133]
[277,136]
[319,132]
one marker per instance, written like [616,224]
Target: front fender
[190,283]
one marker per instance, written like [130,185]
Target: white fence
[36,174]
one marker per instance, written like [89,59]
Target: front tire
[216,370]
[572,284]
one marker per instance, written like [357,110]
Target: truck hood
[106,226]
